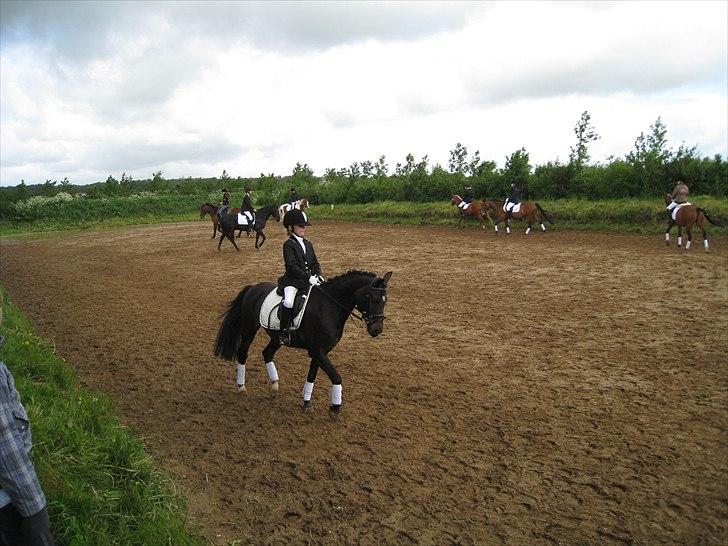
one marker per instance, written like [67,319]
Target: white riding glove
[313,280]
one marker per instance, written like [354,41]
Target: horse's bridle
[366,316]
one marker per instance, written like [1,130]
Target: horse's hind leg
[679,236]
[268,353]
[242,356]
[528,229]
[689,231]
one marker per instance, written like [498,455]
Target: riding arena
[558,387]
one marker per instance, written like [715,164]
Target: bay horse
[687,216]
[533,213]
[229,224]
[474,210]
[329,306]
[209,208]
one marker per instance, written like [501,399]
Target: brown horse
[533,213]
[476,209]
[686,217]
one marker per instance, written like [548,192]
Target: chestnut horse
[209,208]
[687,216]
[476,209]
[533,213]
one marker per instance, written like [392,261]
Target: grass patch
[101,487]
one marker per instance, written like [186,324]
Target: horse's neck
[343,290]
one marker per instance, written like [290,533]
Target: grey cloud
[86,30]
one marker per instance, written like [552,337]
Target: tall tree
[458,158]
[585,134]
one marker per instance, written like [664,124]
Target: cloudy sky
[89,89]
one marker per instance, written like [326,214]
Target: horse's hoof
[274,386]
[307,407]
[242,389]
[334,412]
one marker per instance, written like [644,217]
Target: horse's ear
[386,278]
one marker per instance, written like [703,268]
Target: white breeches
[289,294]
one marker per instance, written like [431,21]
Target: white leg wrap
[272,372]
[667,237]
[528,230]
[705,242]
[241,374]
[508,230]
[496,228]
[335,395]
[543,228]
[679,241]
[687,245]
[307,391]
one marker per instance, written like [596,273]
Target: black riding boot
[285,335]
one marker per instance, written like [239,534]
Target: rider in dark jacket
[222,209]
[513,199]
[468,196]
[302,268]
[247,207]
[293,198]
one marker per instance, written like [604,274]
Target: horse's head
[371,301]
[455,199]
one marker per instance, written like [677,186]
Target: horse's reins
[364,316]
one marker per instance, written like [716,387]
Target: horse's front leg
[336,388]
[261,235]
[670,224]
[214,229]
[679,236]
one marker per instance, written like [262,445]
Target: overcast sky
[89,89]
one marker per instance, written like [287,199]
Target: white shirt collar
[300,241]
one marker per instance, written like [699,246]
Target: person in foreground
[23,514]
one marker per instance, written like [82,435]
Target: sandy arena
[566,387]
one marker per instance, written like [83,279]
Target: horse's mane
[208,204]
[350,273]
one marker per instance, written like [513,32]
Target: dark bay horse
[329,306]
[209,208]
[474,210]
[533,213]
[229,224]
[687,216]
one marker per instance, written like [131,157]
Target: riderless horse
[229,224]
[686,215]
[533,213]
[474,209]
[327,307]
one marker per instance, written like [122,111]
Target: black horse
[329,306]
[229,223]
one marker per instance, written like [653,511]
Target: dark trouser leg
[16,530]
[285,334]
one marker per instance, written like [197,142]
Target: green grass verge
[102,488]
[619,215]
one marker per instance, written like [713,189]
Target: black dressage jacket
[298,267]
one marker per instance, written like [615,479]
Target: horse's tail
[231,331]
[545,214]
[711,220]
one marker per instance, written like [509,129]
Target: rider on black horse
[247,207]
[302,268]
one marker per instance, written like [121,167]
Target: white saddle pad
[466,205]
[242,220]
[269,311]
[677,208]
[514,208]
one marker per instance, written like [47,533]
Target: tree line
[648,170]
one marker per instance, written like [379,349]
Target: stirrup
[285,337]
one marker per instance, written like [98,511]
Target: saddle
[243,219]
[677,208]
[270,311]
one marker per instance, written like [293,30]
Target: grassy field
[102,488]
[626,215]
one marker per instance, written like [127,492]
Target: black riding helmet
[248,189]
[295,217]
[224,190]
